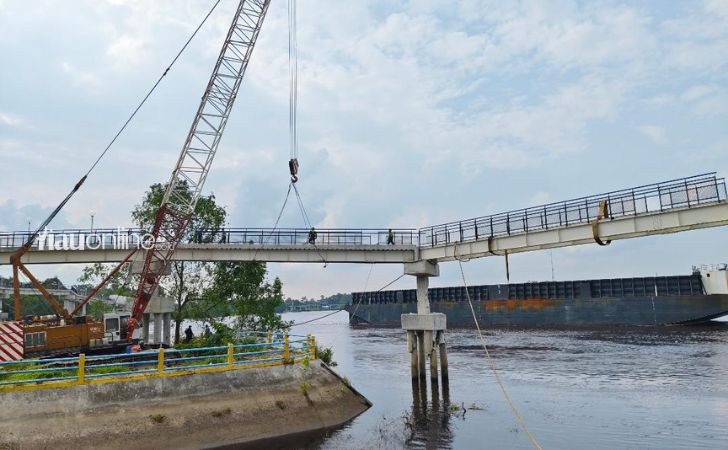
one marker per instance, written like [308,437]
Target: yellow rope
[494,368]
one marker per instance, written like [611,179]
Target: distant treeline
[336,301]
[31,304]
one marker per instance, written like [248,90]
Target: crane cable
[154,87]
[293,130]
[494,368]
[357,304]
[308,223]
[293,90]
[293,113]
[265,239]
[121,130]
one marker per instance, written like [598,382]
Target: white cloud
[10,119]
[697,92]
[706,100]
[654,133]
[80,77]
[540,198]
[126,50]
[410,112]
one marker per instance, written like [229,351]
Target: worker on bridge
[390,237]
[312,235]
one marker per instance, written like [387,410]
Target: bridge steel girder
[624,227]
[362,254]
[671,221]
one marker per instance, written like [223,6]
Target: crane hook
[293,167]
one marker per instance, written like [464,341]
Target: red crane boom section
[198,152]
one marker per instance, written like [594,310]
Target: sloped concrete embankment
[182,412]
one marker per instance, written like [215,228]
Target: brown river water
[662,388]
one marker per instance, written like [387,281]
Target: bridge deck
[668,207]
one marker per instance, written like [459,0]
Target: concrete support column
[421,354]
[423,270]
[443,357]
[423,328]
[145,327]
[423,302]
[157,329]
[167,331]
[412,349]
[433,365]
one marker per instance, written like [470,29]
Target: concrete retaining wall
[185,412]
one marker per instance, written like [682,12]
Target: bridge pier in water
[425,330]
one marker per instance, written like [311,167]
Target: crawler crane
[69,333]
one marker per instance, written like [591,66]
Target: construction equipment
[64,332]
[67,333]
[193,165]
[50,334]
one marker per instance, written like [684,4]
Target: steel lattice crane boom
[193,165]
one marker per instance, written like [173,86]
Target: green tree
[203,290]
[53,283]
[121,283]
[188,279]
[97,308]
[252,299]
[30,305]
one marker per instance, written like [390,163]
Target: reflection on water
[603,389]
[428,424]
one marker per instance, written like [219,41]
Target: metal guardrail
[83,369]
[298,236]
[678,193]
[109,238]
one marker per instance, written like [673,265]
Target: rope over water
[494,368]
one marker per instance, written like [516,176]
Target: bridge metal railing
[110,238]
[678,193]
[84,369]
[77,238]
[300,236]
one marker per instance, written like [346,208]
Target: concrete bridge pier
[443,357]
[145,327]
[159,312]
[162,333]
[157,329]
[425,330]
[167,331]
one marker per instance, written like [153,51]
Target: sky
[411,113]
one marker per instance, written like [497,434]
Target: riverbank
[184,412]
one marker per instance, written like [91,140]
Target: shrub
[325,354]
[305,386]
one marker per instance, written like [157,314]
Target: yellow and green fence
[90,369]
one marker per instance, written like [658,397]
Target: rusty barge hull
[607,302]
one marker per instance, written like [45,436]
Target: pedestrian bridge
[667,207]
